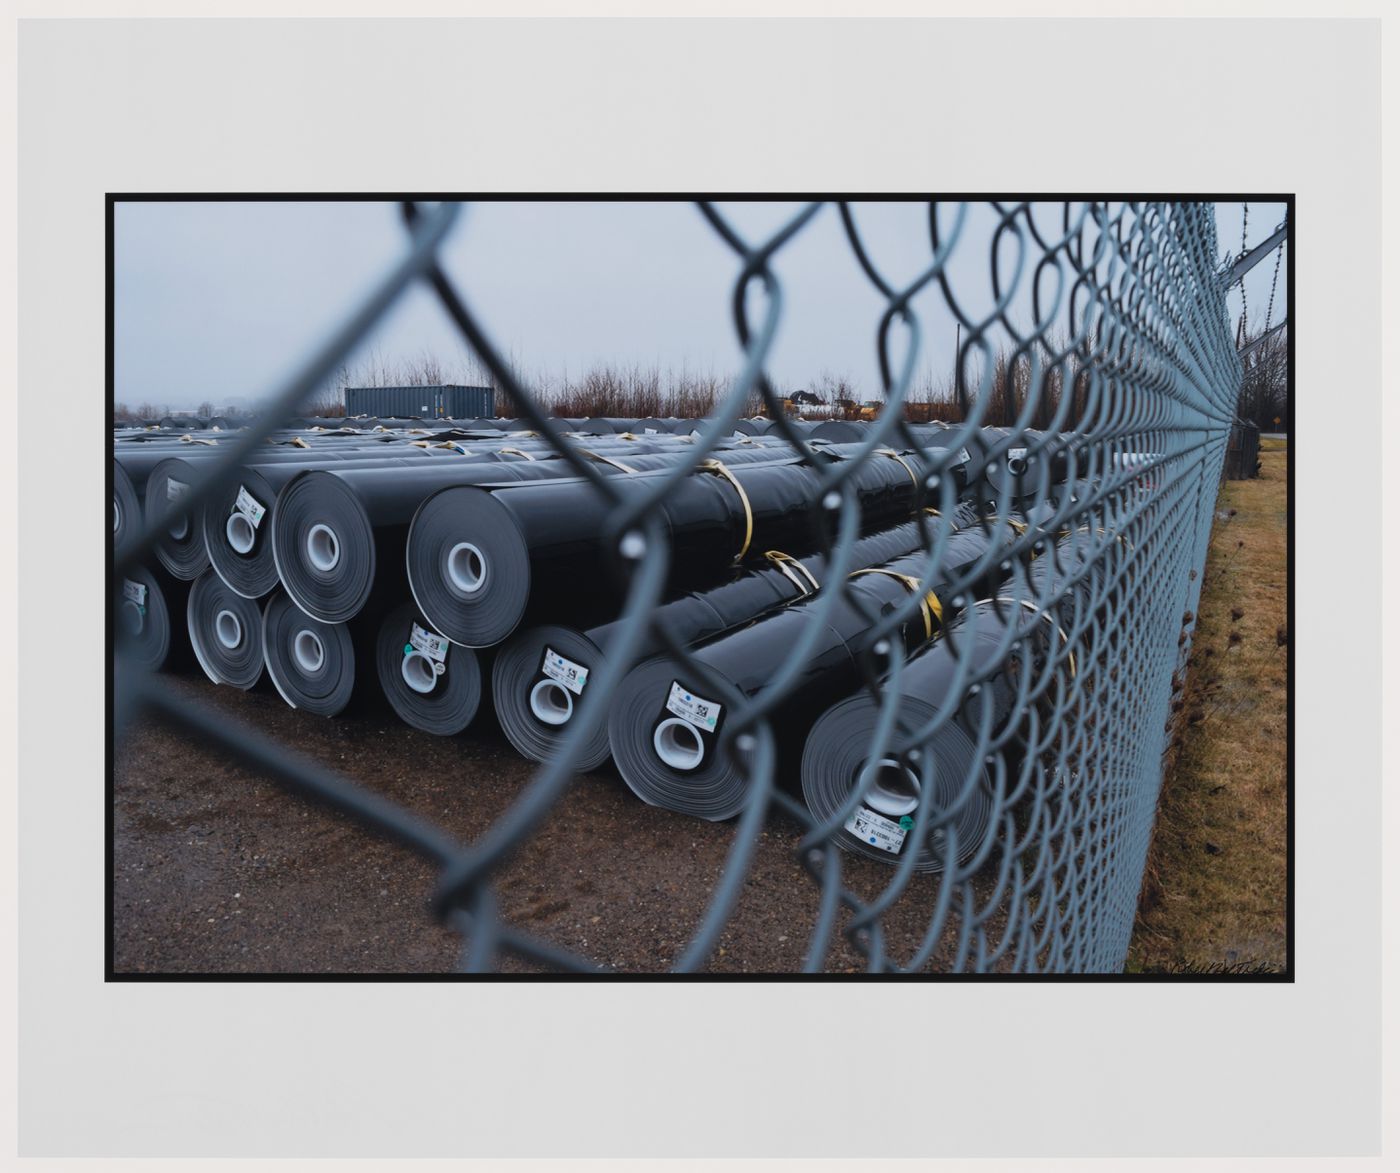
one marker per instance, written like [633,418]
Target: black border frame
[110,974]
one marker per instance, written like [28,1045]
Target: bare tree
[1264,387]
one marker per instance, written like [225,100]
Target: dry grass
[1217,875]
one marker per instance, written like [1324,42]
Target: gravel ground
[218,870]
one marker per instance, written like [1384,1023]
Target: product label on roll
[1015,454]
[134,591]
[572,676]
[688,707]
[431,645]
[247,505]
[963,456]
[649,431]
[174,489]
[875,829]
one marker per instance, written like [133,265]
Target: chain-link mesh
[1098,385]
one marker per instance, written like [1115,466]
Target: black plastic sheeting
[539,675]
[666,725]
[432,684]
[225,631]
[481,561]
[311,663]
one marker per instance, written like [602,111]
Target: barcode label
[572,676]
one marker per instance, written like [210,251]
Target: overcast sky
[217,301]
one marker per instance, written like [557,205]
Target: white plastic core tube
[228,629]
[180,527]
[551,702]
[418,672]
[132,619]
[116,515]
[322,548]
[241,533]
[678,744]
[307,649]
[890,788]
[466,567]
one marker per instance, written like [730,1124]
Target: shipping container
[449,401]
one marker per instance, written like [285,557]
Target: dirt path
[217,870]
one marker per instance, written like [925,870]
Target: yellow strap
[601,459]
[1064,638]
[893,455]
[1103,533]
[625,436]
[1019,526]
[298,442]
[794,571]
[720,469]
[929,605]
[514,452]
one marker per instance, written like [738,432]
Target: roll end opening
[678,744]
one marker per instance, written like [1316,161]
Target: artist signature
[1248,968]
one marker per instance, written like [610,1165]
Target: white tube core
[466,567]
[678,744]
[228,629]
[308,651]
[116,515]
[418,672]
[551,702]
[322,548]
[132,619]
[890,788]
[180,527]
[240,532]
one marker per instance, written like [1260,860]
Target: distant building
[445,401]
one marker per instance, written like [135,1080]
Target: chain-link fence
[1007,731]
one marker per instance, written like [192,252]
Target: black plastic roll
[480,561]
[650,426]
[430,683]
[667,723]
[331,530]
[236,520]
[837,760]
[759,426]
[225,630]
[126,511]
[540,675]
[180,544]
[149,618]
[839,431]
[311,663]
[995,637]
[602,425]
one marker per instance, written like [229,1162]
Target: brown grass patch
[1216,887]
